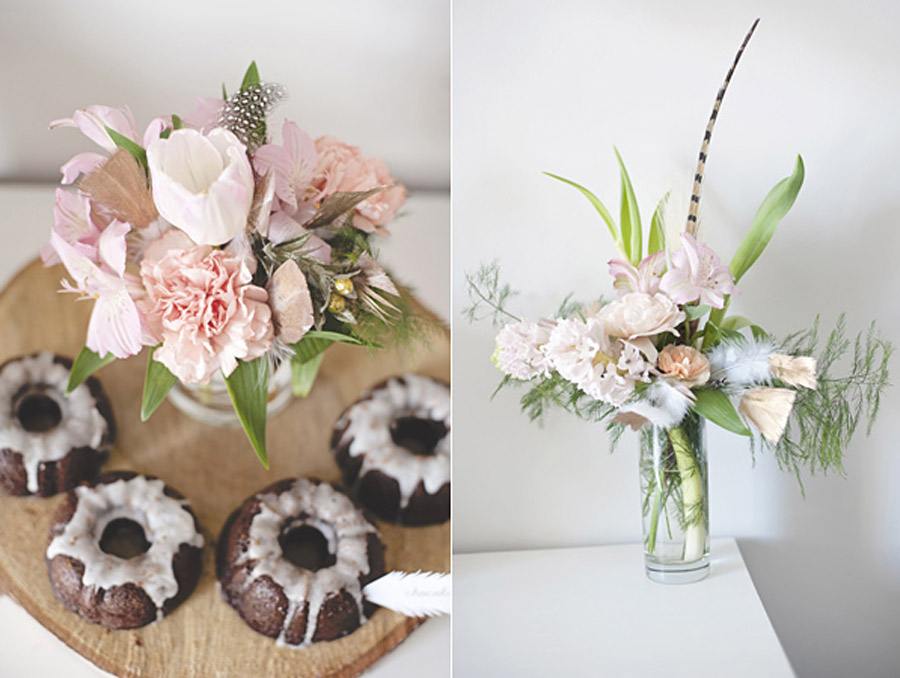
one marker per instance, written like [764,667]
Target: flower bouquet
[227,254]
[666,356]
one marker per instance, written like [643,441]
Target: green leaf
[303,375]
[315,342]
[84,366]
[599,206]
[758,333]
[694,312]
[248,387]
[158,381]
[224,93]
[251,77]
[717,407]
[135,149]
[776,204]
[177,122]
[630,216]
[657,242]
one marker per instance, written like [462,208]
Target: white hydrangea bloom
[573,345]
[606,383]
[603,367]
[519,349]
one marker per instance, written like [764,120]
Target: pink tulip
[202,183]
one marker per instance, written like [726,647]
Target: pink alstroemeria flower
[205,114]
[76,223]
[115,324]
[293,165]
[697,274]
[643,278]
[93,121]
[81,163]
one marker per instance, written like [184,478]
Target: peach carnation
[201,307]
[343,168]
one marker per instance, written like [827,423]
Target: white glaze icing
[81,424]
[369,426]
[345,530]
[167,524]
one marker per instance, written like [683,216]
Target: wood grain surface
[216,469]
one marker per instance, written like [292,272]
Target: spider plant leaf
[597,204]
[657,241]
[772,210]
[630,219]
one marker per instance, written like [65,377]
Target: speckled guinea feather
[244,113]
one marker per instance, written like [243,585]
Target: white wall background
[373,73]
[552,86]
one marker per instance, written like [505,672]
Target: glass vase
[211,404]
[675,502]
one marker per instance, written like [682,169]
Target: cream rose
[638,314]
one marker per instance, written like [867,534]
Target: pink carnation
[201,306]
[343,168]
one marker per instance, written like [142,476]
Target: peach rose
[684,363]
[343,168]
[202,308]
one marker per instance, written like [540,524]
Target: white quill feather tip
[412,594]
[741,362]
[663,403]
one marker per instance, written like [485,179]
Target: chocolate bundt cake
[293,560]
[124,552]
[393,448]
[50,441]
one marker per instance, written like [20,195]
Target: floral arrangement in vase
[665,356]
[228,254]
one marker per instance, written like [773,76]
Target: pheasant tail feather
[693,212]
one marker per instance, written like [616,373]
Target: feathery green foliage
[824,420]
[487,295]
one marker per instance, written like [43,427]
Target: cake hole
[38,412]
[419,436]
[306,547]
[124,538]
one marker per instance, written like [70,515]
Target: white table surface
[418,250]
[592,612]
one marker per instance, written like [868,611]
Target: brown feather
[120,186]
[263,194]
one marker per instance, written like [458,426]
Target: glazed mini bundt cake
[124,552]
[50,441]
[393,448]
[293,560]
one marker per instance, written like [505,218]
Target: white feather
[662,403]
[741,362]
[412,594]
